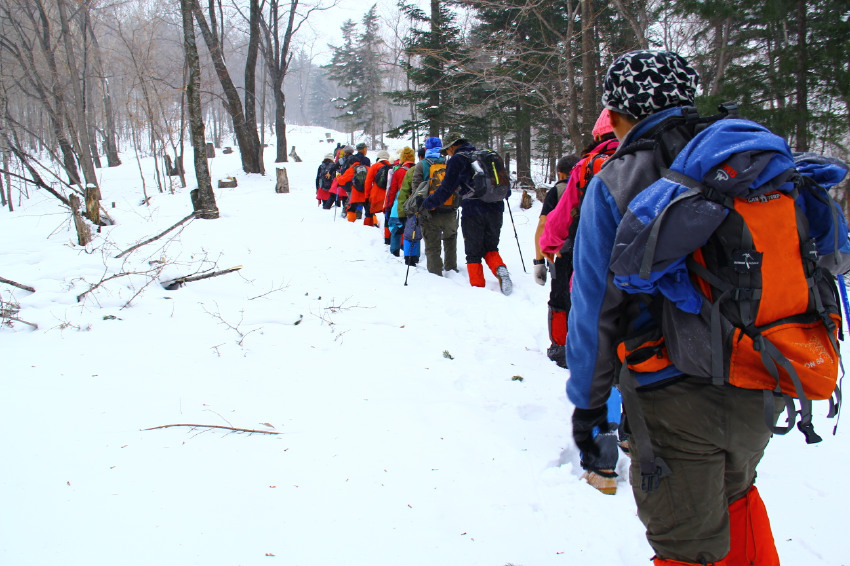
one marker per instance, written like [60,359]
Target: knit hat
[603,125]
[406,155]
[361,145]
[641,83]
[383,154]
[433,143]
[348,149]
[329,156]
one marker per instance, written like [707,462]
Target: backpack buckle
[651,474]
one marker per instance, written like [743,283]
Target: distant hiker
[377,182]
[377,171]
[480,222]
[559,292]
[345,154]
[649,297]
[391,215]
[439,226]
[353,180]
[324,180]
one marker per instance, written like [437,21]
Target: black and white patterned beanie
[641,83]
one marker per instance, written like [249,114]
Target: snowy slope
[418,424]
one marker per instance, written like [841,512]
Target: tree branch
[158,236]
[248,430]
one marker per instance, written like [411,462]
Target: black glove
[584,421]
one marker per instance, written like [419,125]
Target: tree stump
[525,201]
[294,155]
[83,232]
[282,181]
[227,150]
[541,193]
[210,150]
[93,204]
[227,183]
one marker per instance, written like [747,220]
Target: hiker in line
[393,221]
[704,509]
[559,292]
[555,243]
[340,196]
[480,222]
[412,232]
[439,226]
[369,206]
[353,180]
[324,180]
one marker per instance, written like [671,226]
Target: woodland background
[83,80]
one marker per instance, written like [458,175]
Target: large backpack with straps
[383,176]
[361,170]
[490,181]
[584,170]
[433,173]
[734,252]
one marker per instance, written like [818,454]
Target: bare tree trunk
[81,139]
[251,162]
[588,72]
[109,135]
[802,82]
[203,198]
[572,95]
[251,80]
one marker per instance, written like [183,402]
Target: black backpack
[382,176]
[490,182]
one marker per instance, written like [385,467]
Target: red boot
[494,260]
[476,274]
[662,562]
[750,537]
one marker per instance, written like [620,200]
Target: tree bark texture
[203,198]
[251,162]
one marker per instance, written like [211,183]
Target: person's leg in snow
[712,438]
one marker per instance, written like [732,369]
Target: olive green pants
[439,230]
[712,438]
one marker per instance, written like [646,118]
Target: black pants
[481,234]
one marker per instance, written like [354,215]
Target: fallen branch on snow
[158,236]
[177,283]
[234,429]
[16,284]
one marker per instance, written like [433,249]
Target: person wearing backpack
[439,226]
[480,221]
[324,180]
[376,180]
[353,180]
[339,197]
[695,442]
[391,210]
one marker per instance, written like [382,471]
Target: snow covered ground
[417,425]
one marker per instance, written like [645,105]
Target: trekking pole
[406,274]
[515,235]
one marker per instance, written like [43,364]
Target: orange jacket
[345,180]
[374,193]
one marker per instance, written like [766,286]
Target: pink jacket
[557,226]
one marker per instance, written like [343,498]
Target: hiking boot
[558,354]
[603,480]
[504,280]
